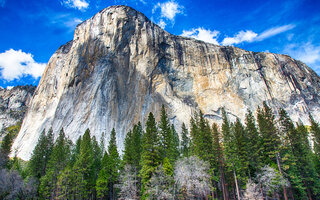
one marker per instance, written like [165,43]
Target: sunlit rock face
[13,105]
[120,66]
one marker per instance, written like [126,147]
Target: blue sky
[31,31]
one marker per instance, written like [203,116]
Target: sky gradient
[31,31]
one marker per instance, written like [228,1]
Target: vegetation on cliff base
[266,157]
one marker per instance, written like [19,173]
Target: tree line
[266,157]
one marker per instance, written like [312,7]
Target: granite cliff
[120,66]
[13,104]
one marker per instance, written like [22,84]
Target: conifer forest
[266,156]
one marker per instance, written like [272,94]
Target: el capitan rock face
[120,66]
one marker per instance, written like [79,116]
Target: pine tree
[75,152]
[202,141]
[201,138]
[303,151]
[228,138]
[103,178]
[288,161]
[173,153]
[151,154]
[240,156]
[185,143]
[83,168]
[315,132]
[66,184]
[253,144]
[6,143]
[137,145]
[165,133]
[113,165]
[40,155]
[133,148]
[228,150]
[300,150]
[6,149]
[58,160]
[128,149]
[167,167]
[97,157]
[219,162]
[270,140]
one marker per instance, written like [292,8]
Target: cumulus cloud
[168,11]
[202,34]
[16,64]
[77,4]
[250,36]
[242,36]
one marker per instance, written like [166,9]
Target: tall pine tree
[315,133]
[185,143]
[165,133]
[253,144]
[151,152]
[270,139]
[114,164]
[59,159]
[40,155]
[84,169]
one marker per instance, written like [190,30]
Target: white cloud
[250,36]
[77,4]
[72,23]
[274,31]
[305,52]
[64,20]
[15,64]
[9,87]
[168,11]
[202,34]
[162,24]
[242,36]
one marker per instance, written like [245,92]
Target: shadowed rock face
[120,66]
[13,104]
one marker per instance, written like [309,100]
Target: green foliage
[151,151]
[40,155]
[276,153]
[84,168]
[103,178]
[315,132]
[270,139]
[165,133]
[201,138]
[66,184]
[174,153]
[301,154]
[113,164]
[252,144]
[11,133]
[185,143]
[59,159]
[240,155]
[133,147]
[167,167]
